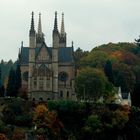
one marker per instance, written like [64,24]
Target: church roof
[65,54]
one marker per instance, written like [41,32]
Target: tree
[92,84]
[137,49]
[93,128]
[133,124]
[137,41]
[2,89]
[11,87]
[78,55]
[47,122]
[3,137]
[17,78]
[124,77]
[18,134]
[108,71]
[95,59]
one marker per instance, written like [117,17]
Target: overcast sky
[88,23]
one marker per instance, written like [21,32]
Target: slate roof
[65,54]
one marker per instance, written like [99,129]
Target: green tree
[124,77]
[11,87]
[92,84]
[78,55]
[2,89]
[17,78]
[133,124]
[137,41]
[93,128]
[95,58]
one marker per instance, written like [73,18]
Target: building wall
[24,70]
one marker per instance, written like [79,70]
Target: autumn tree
[47,122]
[18,134]
[3,137]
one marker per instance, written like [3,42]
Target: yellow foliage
[41,110]
[43,118]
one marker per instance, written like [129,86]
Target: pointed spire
[62,26]
[55,23]
[32,30]
[39,25]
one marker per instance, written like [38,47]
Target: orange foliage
[53,122]
[18,134]
[117,54]
[3,137]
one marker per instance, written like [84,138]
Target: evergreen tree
[2,89]
[137,41]
[11,87]
[18,78]
[108,71]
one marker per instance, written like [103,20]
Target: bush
[23,120]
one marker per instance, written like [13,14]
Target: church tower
[48,72]
[32,46]
[55,57]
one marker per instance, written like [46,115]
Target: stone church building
[48,73]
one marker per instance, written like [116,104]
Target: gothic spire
[62,25]
[55,23]
[32,30]
[39,25]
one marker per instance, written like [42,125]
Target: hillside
[124,59]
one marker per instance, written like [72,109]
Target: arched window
[68,94]
[61,94]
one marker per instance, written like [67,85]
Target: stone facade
[48,73]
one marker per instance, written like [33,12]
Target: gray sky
[88,23]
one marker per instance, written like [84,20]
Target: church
[48,72]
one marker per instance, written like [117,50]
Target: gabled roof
[65,54]
[38,49]
[24,57]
